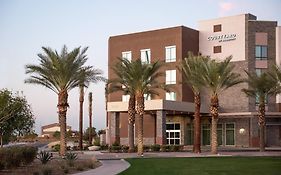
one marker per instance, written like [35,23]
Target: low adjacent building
[49,130]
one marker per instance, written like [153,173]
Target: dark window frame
[217,49]
[261,51]
[217,28]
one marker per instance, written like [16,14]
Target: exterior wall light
[242,131]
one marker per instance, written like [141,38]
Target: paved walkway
[109,167]
[114,163]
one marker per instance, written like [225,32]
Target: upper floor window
[261,52]
[259,71]
[147,97]
[127,55]
[145,55]
[170,53]
[125,98]
[171,96]
[171,77]
[217,49]
[217,28]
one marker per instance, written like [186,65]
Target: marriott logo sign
[222,38]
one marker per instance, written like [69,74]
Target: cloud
[225,7]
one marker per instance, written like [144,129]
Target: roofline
[153,30]
[243,14]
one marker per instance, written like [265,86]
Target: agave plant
[44,156]
[70,157]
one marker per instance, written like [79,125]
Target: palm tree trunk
[62,109]
[140,112]
[261,115]
[197,124]
[81,101]
[131,121]
[1,140]
[214,113]
[90,117]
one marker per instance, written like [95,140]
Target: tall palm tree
[81,101]
[138,79]
[61,73]
[219,76]
[90,116]
[123,82]
[262,87]
[88,77]
[193,69]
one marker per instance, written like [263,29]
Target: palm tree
[90,116]
[125,83]
[92,76]
[193,69]
[219,76]
[137,79]
[61,73]
[81,101]
[262,87]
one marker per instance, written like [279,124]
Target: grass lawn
[205,166]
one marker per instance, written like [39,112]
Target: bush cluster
[13,157]
[146,148]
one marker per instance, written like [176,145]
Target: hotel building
[255,46]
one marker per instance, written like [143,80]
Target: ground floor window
[206,131]
[229,134]
[206,134]
[173,133]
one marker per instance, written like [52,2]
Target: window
[171,77]
[217,28]
[147,97]
[170,53]
[219,134]
[125,98]
[229,134]
[190,134]
[261,52]
[171,96]
[127,55]
[259,71]
[145,56]
[173,133]
[206,131]
[217,49]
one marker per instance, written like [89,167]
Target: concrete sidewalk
[108,167]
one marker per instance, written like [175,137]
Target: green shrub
[146,148]
[155,147]
[29,154]
[56,148]
[176,148]
[70,158]
[44,156]
[124,148]
[97,142]
[66,171]
[165,148]
[14,157]
[104,147]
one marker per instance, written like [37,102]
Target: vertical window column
[127,55]
[170,53]
[171,77]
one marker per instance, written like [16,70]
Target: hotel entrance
[173,133]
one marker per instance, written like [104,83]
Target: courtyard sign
[222,38]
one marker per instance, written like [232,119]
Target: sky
[26,26]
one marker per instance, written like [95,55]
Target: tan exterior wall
[234,25]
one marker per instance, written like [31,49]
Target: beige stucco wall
[230,25]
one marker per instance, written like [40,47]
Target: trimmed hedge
[16,156]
